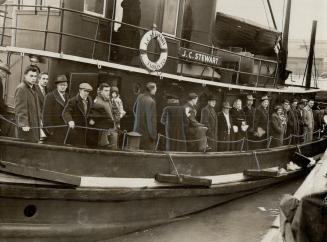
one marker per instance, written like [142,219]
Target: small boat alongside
[305,205]
[58,192]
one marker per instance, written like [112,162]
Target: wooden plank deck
[315,182]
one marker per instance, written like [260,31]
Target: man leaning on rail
[76,115]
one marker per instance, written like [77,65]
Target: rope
[172,162]
[224,142]
[256,160]
[180,140]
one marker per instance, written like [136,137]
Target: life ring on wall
[147,37]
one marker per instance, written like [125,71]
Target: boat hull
[65,214]
[140,164]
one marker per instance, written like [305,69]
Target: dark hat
[171,96]
[286,101]
[114,89]
[212,98]
[5,68]
[295,100]
[192,95]
[249,97]
[85,86]
[264,98]
[60,78]
[226,105]
[278,107]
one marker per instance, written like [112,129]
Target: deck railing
[236,74]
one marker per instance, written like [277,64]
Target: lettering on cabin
[198,56]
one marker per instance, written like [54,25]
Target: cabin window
[170,17]
[95,7]
[41,3]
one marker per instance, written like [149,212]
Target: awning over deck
[232,32]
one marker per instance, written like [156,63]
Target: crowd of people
[53,117]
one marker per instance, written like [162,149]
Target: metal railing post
[259,72]
[46,29]
[61,27]
[238,70]
[95,37]
[111,30]
[4,24]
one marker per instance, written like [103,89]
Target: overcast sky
[303,12]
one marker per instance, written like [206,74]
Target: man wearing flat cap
[261,121]
[175,121]
[210,120]
[54,103]
[225,128]
[76,113]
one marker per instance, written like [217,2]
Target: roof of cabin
[232,31]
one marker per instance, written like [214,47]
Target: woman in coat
[175,121]
[277,126]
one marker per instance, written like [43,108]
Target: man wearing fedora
[225,128]
[193,131]
[249,111]
[76,113]
[54,103]
[210,120]
[261,122]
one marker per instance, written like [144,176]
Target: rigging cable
[283,17]
[264,6]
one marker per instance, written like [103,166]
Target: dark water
[238,221]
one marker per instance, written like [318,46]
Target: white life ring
[147,37]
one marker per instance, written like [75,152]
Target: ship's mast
[284,50]
[311,54]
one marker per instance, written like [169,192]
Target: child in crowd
[117,106]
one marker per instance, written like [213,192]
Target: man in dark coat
[261,122]
[210,120]
[292,127]
[225,128]
[27,110]
[41,87]
[299,112]
[76,113]
[145,113]
[103,115]
[4,71]
[249,111]
[54,104]
[193,131]
[175,121]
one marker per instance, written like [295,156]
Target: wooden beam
[35,172]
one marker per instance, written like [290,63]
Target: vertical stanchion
[46,29]
[4,24]
[61,26]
